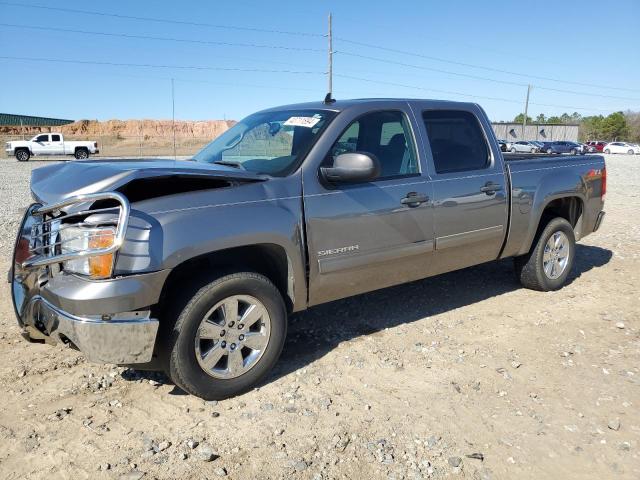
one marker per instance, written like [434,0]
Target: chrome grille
[45,244]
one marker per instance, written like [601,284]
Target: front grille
[45,243]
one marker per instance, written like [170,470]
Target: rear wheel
[630,152]
[228,336]
[81,154]
[548,264]
[23,155]
[513,149]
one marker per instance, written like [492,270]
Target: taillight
[95,144]
[603,190]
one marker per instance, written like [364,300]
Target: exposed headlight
[75,239]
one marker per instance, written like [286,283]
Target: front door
[365,236]
[469,189]
[40,145]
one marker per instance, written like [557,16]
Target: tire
[630,152]
[533,150]
[574,151]
[191,334]
[607,151]
[513,149]
[23,155]
[81,154]
[549,150]
[533,271]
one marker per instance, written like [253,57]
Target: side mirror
[352,167]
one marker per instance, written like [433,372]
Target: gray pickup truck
[192,266]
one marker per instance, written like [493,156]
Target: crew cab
[50,144]
[192,267]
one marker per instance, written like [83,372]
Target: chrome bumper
[124,340]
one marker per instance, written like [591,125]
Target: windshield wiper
[230,163]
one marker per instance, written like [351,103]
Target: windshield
[268,142]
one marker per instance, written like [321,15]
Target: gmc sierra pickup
[193,266]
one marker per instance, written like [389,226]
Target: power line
[482,67]
[450,92]
[161,20]
[166,39]
[478,77]
[151,65]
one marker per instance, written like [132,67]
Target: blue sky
[592,50]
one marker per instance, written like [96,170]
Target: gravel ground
[465,375]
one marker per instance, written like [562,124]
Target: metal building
[543,132]
[12,120]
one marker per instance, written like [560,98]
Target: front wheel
[607,151]
[574,151]
[549,262]
[228,336]
[23,155]
[630,152]
[513,149]
[549,150]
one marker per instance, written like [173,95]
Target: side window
[384,134]
[42,138]
[456,140]
[55,138]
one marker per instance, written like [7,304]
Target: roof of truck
[339,105]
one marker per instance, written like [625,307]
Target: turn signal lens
[76,239]
[100,267]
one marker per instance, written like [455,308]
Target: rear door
[56,147]
[368,235]
[469,187]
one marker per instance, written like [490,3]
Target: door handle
[490,188]
[413,199]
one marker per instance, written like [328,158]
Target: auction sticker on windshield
[308,122]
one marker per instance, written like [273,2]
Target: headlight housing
[77,239]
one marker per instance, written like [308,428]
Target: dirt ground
[465,375]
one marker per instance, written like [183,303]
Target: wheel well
[269,260]
[81,148]
[569,208]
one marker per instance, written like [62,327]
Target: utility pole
[173,118]
[330,72]
[526,109]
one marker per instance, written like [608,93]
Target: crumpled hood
[57,182]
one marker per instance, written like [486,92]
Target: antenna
[328,99]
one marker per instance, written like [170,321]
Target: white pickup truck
[50,144]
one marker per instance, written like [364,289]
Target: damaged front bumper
[121,341]
[108,320]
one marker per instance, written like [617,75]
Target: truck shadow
[317,331]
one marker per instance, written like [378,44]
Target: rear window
[457,141]
[55,138]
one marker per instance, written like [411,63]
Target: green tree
[541,118]
[614,127]
[520,117]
